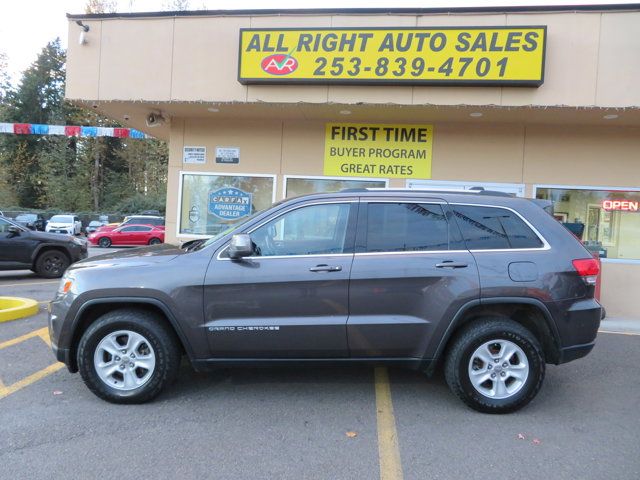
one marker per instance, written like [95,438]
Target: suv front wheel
[128,356]
[495,366]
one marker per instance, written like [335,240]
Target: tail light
[588,269]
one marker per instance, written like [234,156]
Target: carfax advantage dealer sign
[377,150]
[407,56]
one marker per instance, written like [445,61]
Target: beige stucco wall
[591,60]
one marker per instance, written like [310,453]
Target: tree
[101,6]
[176,5]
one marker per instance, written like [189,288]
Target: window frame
[628,261]
[181,176]
[350,234]
[286,178]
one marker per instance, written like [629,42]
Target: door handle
[451,264]
[325,268]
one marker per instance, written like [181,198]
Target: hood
[51,237]
[136,257]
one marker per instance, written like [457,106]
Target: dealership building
[262,105]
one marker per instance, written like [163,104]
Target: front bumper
[58,310]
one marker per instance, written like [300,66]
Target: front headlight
[77,241]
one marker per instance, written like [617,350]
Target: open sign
[621,205]
[279,64]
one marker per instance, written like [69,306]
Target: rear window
[490,228]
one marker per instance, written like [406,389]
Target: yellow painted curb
[12,308]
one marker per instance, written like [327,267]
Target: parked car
[46,254]
[69,224]
[33,221]
[128,235]
[137,220]
[93,226]
[487,285]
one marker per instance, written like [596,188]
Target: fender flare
[141,300]
[457,319]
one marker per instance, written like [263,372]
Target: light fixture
[213,109]
[476,114]
[82,40]
[345,112]
[611,116]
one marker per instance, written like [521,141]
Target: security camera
[154,119]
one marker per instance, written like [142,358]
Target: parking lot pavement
[293,423]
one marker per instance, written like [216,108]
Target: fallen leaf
[57,392]
[352,434]
[536,441]
[521,437]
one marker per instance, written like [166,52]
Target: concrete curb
[13,308]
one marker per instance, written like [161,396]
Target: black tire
[51,264]
[155,241]
[104,242]
[161,338]
[473,336]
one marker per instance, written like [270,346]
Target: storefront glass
[304,186]
[211,204]
[607,221]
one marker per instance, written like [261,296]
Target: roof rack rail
[468,191]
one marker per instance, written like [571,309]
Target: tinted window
[312,230]
[405,227]
[488,228]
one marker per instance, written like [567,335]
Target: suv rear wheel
[128,356]
[495,366]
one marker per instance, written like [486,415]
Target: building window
[295,186]
[211,203]
[607,221]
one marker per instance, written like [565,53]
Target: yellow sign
[378,150]
[414,56]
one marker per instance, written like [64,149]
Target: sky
[27,25]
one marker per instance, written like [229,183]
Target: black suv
[47,254]
[491,287]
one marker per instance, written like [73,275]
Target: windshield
[61,219]
[26,217]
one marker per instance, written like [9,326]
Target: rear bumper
[567,354]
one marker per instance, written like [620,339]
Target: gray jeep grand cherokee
[489,286]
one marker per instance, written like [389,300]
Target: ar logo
[279,64]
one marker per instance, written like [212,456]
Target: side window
[129,229]
[488,228]
[143,229]
[406,227]
[311,230]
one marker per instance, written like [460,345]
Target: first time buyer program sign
[378,150]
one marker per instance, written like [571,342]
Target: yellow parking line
[25,382]
[36,333]
[388,449]
[633,334]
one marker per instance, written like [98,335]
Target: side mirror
[240,246]
[14,230]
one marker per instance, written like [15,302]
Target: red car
[128,235]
